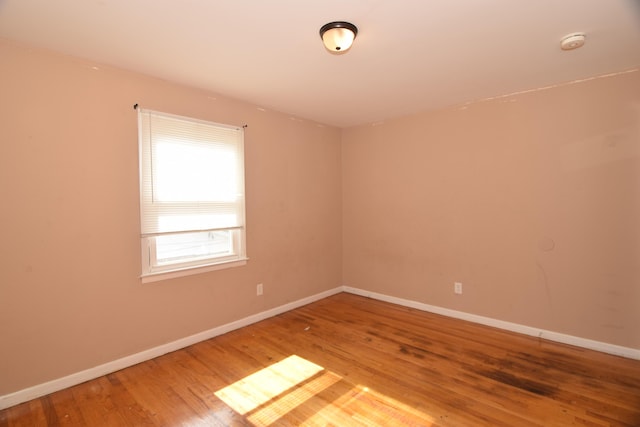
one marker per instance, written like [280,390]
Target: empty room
[296,213]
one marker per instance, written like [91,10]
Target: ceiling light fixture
[338,36]
[572,41]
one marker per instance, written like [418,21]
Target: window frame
[152,270]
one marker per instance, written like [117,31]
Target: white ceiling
[409,56]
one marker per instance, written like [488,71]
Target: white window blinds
[192,175]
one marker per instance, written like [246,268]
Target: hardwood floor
[348,360]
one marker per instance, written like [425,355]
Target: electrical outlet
[457,288]
[259,289]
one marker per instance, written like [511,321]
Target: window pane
[177,248]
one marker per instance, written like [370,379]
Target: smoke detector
[572,41]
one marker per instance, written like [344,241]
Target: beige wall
[531,201]
[70,296]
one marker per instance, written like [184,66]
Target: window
[191,195]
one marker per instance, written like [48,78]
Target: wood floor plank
[352,361]
[67,411]
[195,385]
[28,414]
[99,405]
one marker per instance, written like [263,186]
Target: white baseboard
[617,350]
[39,390]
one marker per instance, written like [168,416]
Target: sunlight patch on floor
[254,390]
[303,393]
[269,414]
[369,407]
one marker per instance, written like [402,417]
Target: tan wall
[70,296]
[531,201]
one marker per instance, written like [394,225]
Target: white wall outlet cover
[457,287]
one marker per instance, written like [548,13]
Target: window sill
[170,274]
